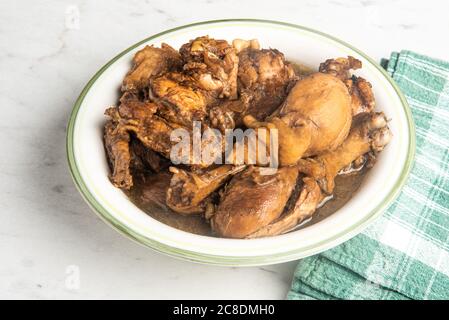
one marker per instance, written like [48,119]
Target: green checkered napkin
[405,253]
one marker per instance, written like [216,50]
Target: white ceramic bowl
[382,184]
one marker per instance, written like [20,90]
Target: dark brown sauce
[345,188]
[149,192]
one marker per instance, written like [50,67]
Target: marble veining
[51,244]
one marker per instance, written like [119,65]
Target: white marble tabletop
[49,238]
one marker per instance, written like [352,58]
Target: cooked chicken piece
[277,208]
[362,97]
[315,117]
[152,131]
[325,126]
[155,133]
[259,68]
[188,190]
[137,117]
[117,137]
[340,67]
[264,79]
[213,64]
[132,107]
[252,200]
[360,90]
[369,135]
[144,159]
[302,208]
[116,142]
[222,116]
[317,114]
[148,63]
[180,102]
[209,73]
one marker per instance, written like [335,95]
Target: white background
[45,60]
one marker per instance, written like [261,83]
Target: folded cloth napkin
[405,253]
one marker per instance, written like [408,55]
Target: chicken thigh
[264,78]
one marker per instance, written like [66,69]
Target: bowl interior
[90,170]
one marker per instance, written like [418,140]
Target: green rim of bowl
[229,260]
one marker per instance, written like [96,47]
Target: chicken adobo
[321,127]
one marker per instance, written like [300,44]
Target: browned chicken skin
[340,67]
[252,200]
[368,136]
[178,101]
[117,147]
[188,190]
[276,208]
[213,64]
[117,136]
[300,208]
[264,79]
[325,121]
[362,98]
[136,117]
[149,63]
[315,117]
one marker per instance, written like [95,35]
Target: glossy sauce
[149,192]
